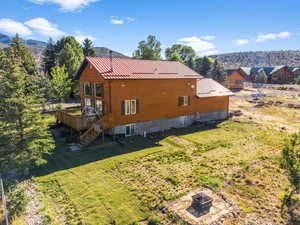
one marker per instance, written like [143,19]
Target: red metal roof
[123,68]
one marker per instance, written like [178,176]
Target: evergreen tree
[218,73]
[60,84]
[22,52]
[69,54]
[203,66]
[49,57]
[24,137]
[88,48]
[149,49]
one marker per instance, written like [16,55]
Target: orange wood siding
[233,78]
[158,99]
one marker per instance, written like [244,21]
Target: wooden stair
[91,134]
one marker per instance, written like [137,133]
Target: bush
[154,220]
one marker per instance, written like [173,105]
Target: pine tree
[205,66]
[88,48]
[26,59]
[218,73]
[49,57]
[60,84]
[25,137]
[69,54]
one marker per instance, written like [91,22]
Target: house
[236,79]
[295,71]
[276,74]
[137,97]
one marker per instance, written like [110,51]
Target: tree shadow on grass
[62,158]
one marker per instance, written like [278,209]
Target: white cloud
[117,21]
[12,27]
[44,27]
[80,36]
[67,5]
[241,42]
[121,20]
[209,37]
[200,46]
[272,36]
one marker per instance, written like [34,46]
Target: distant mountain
[259,58]
[104,52]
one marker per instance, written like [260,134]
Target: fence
[274,86]
[3,199]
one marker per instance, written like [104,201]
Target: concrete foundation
[177,122]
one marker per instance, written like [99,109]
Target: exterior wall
[282,76]
[159,99]
[236,80]
[177,122]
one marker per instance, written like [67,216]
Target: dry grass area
[275,117]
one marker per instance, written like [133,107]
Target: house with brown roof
[124,97]
[236,79]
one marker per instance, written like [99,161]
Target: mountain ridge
[259,58]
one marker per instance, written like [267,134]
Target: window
[130,107]
[130,129]
[183,100]
[87,102]
[133,107]
[98,87]
[86,88]
[99,107]
[127,107]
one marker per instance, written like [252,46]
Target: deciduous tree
[149,49]
[60,85]
[181,53]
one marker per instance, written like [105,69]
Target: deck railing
[76,122]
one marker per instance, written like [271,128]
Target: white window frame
[86,100]
[127,106]
[132,129]
[100,110]
[84,92]
[185,100]
[133,109]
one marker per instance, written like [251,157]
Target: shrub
[154,220]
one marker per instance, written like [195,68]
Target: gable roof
[246,70]
[123,68]
[207,87]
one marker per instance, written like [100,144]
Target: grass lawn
[122,185]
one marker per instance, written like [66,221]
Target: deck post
[103,137]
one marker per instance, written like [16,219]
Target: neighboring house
[236,79]
[137,97]
[276,74]
[295,72]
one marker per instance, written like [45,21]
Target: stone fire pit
[202,207]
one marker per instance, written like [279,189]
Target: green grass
[123,185]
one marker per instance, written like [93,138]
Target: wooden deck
[77,122]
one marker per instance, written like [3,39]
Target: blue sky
[209,26]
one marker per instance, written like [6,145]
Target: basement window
[87,88]
[183,100]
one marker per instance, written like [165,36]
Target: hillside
[259,58]
[37,47]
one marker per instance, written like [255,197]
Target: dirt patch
[221,209]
